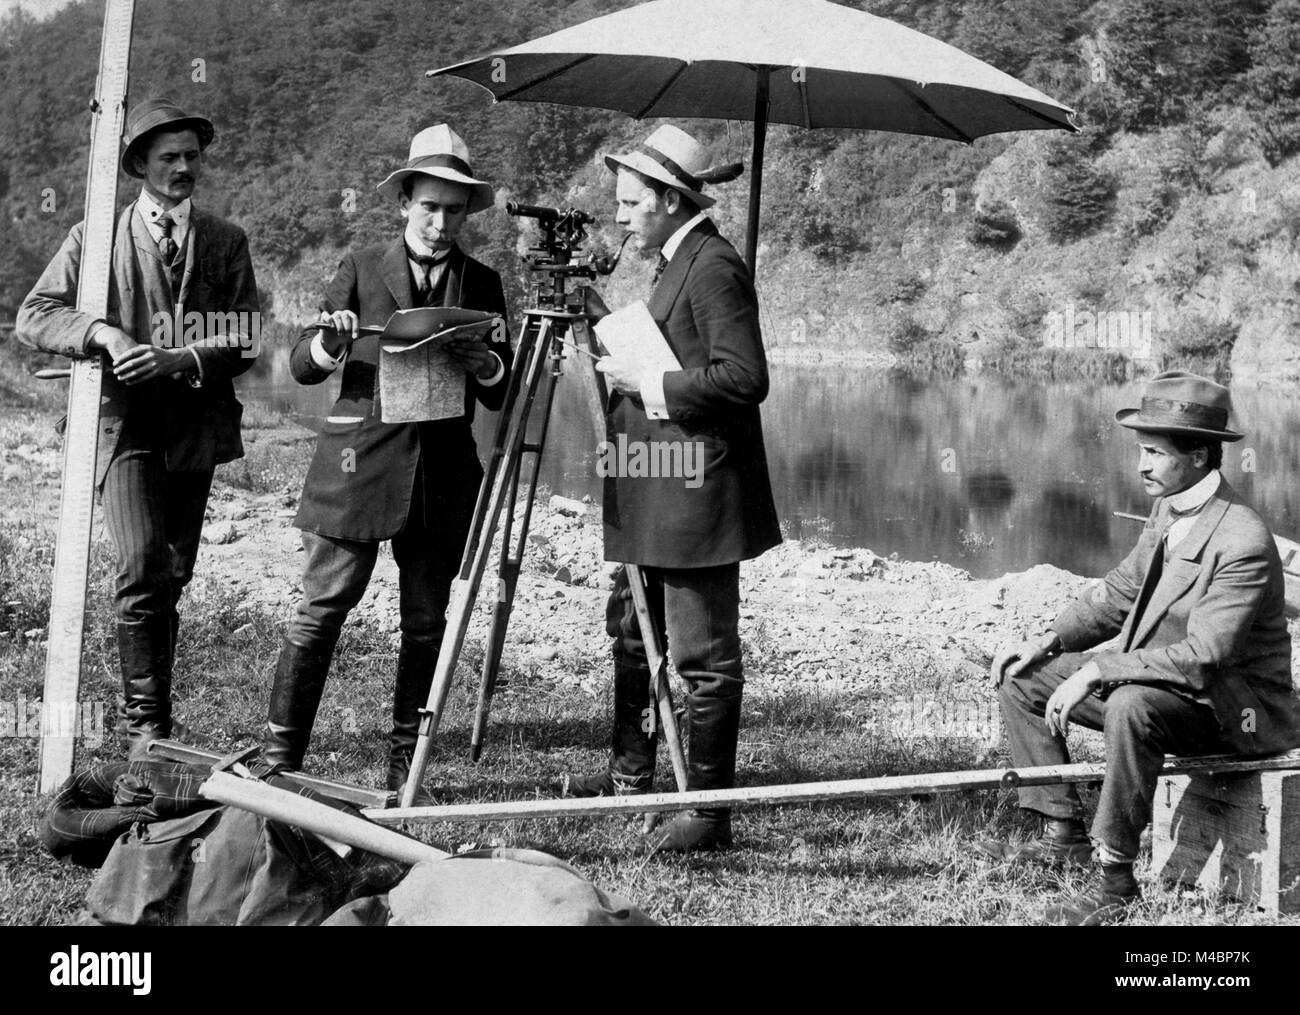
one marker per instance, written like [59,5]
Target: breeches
[337,572]
[154,519]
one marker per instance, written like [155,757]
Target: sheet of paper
[423,384]
[631,332]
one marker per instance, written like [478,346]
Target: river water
[986,473]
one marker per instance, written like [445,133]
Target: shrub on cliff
[1200,345]
[996,224]
[1080,195]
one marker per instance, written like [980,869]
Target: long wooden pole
[815,792]
[81,441]
[320,819]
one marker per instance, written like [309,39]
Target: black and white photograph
[687,463]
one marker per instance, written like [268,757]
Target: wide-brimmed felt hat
[153,115]
[1177,402]
[672,156]
[439,152]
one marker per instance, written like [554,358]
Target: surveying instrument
[557,321]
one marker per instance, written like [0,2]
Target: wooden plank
[813,792]
[1234,833]
[317,818]
[172,750]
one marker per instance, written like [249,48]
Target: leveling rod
[843,790]
[80,442]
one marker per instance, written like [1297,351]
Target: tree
[1167,56]
[1274,82]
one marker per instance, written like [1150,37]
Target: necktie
[169,250]
[659,271]
[427,263]
[167,246]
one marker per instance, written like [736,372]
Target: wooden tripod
[545,333]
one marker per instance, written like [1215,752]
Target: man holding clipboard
[688,534]
[413,480]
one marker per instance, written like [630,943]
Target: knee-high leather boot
[295,696]
[144,651]
[632,751]
[711,764]
[416,661]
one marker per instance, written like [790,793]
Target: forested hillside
[1180,198]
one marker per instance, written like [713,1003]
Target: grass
[889,861]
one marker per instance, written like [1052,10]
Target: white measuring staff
[81,440]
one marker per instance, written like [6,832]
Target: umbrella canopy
[805,62]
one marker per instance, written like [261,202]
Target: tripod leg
[536,335]
[507,575]
[511,563]
[596,400]
[659,669]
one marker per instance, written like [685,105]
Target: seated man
[1203,664]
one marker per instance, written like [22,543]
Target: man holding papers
[688,535]
[413,480]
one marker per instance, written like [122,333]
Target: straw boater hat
[672,156]
[154,115]
[439,152]
[1177,402]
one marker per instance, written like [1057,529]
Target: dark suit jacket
[199,426]
[373,501]
[1213,627]
[707,310]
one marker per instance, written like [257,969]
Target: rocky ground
[838,620]
[909,641]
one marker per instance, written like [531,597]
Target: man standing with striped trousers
[181,322]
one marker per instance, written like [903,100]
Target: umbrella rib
[542,79]
[803,98]
[926,107]
[660,94]
[1035,113]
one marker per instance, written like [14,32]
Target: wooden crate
[1235,833]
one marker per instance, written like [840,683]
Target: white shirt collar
[1195,496]
[152,211]
[418,246]
[675,240]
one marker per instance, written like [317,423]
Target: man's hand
[114,341]
[345,325]
[143,363]
[474,355]
[621,374]
[1013,658]
[1063,700]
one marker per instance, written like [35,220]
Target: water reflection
[987,473]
